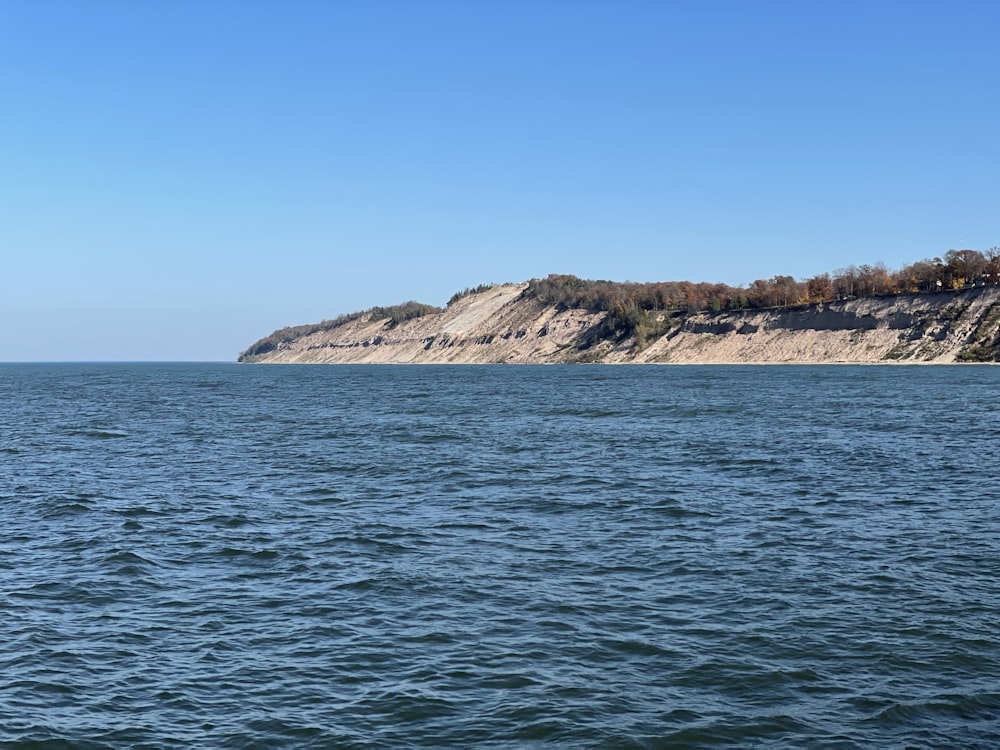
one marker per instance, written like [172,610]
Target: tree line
[958,269]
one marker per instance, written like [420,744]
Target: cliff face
[502,325]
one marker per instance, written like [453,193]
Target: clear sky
[181,177]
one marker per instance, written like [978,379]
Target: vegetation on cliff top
[469,291]
[958,269]
[637,308]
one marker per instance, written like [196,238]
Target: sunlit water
[613,557]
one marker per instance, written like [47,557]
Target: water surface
[625,557]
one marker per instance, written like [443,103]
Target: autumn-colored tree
[966,266]
[991,270]
[628,302]
[819,288]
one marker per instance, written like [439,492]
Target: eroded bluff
[501,324]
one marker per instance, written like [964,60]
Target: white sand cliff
[500,325]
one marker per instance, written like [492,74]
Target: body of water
[606,557]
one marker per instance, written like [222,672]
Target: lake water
[391,557]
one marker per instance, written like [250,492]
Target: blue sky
[179,178]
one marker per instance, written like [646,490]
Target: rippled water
[268,556]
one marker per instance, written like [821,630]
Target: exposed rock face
[503,325]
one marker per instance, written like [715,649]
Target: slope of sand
[499,325]
[908,328]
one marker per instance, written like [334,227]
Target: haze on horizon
[180,179]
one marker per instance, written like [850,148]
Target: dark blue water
[613,557]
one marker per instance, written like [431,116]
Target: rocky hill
[502,324]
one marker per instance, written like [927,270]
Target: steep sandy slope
[491,326]
[908,328]
[503,325]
